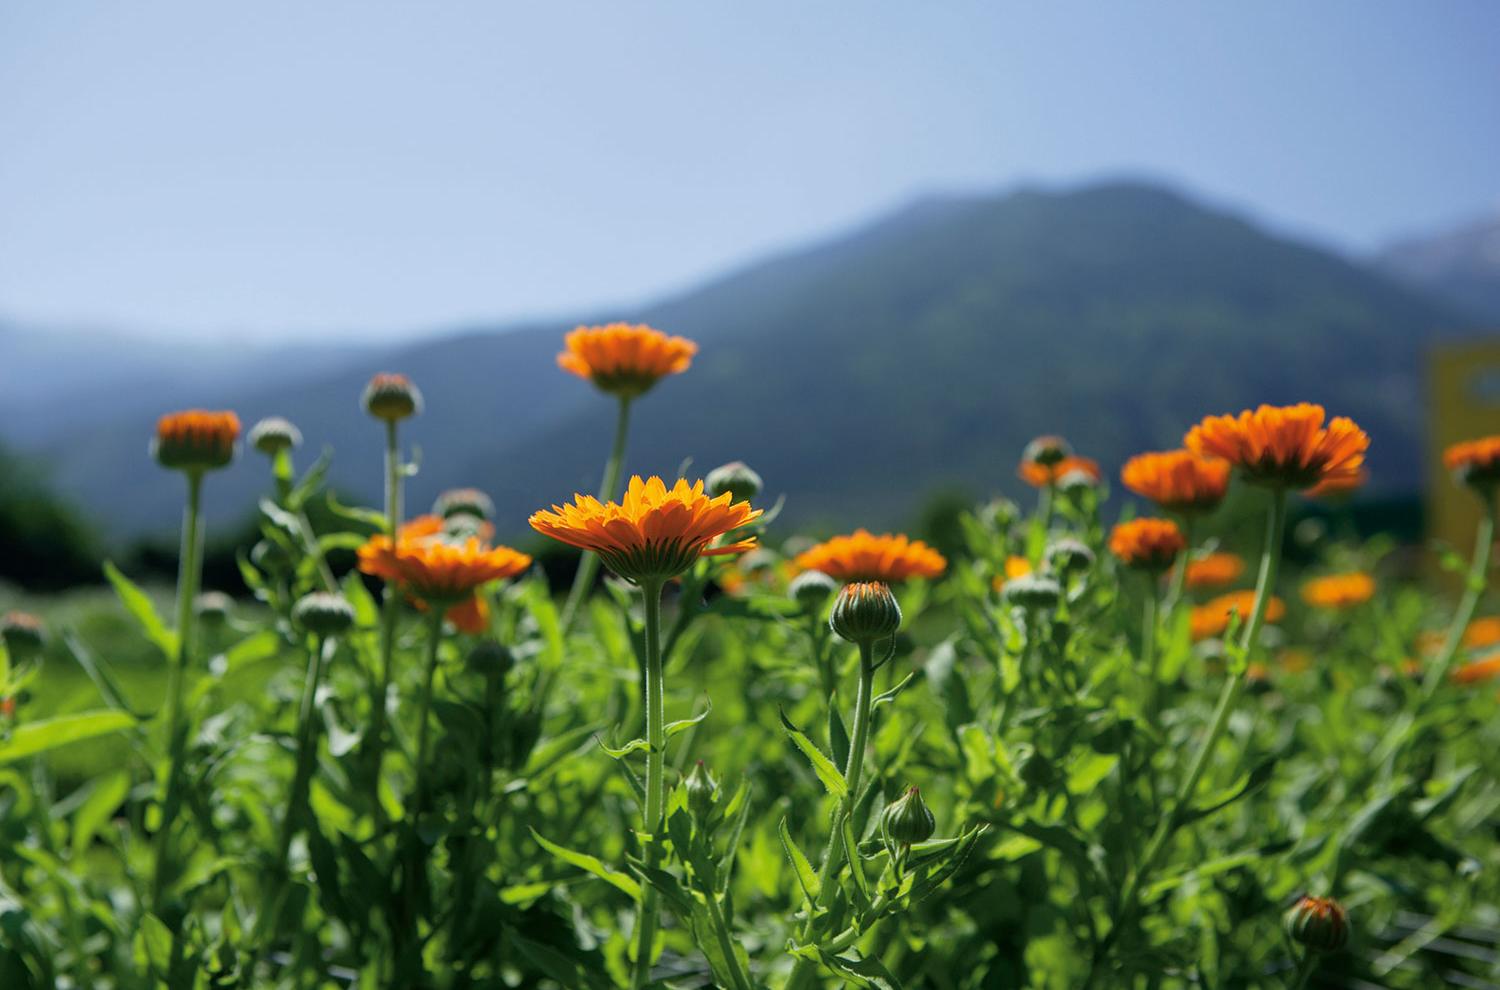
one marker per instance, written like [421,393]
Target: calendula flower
[864,556]
[1212,618]
[654,532]
[1214,570]
[391,396]
[1015,567]
[1283,446]
[1040,475]
[1339,487]
[196,440]
[1475,462]
[1319,923]
[433,569]
[625,359]
[1178,480]
[1477,671]
[1047,450]
[472,615]
[1482,633]
[1339,591]
[1147,544]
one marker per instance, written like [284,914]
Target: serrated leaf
[683,724]
[807,877]
[140,607]
[48,734]
[592,864]
[829,774]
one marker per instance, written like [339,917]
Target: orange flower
[1214,570]
[1338,591]
[863,556]
[1178,480]
[1147,544]
[1015,567]
[1478,670]
[625,359]
[433,570]
[1212,618]
[1482,633]
[654,532]
[1040,475]
[1283,446]
[1339,487]
[196,440]
[472,615]
[1475,462]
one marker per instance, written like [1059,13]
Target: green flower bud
[490,658]
[736,478]
[1032,592]
[811,589]
[1046,450]
[701,790]
[1319,923]
[1068,555]
[464,501]
[213,608]
[865,612]
[907,820]
[22,634]
[999,515]
[391,397]
[274,434]
[323,614]
[1076,484]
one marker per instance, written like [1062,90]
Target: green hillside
[860,374]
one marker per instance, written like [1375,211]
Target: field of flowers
[1081,753]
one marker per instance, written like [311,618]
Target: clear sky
[286,169]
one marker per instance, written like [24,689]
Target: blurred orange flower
[653,532]
[1015,567]
[1040,475]
[625,359]
[1475,462]
[863,556]
[1148,544]
[1214,570]
[1283,446]
[1212,618]
[1477,671]
[1338,591]
[1178,480]
[1340,486]
[433,570]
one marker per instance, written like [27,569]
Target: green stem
[726,943]
[306,750]
[1270,559]
[389,610]
[1474,586]
[1306,966]
[656,746]
[1150,659]
[1179,574]
[189,573]
[588,564]
[833,854]
[424,708]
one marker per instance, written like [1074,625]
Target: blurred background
[907,238]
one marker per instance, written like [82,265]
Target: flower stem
[1150,659]
[1474,586]
[1270,559]
[1179,575]
[424,708]
[588,564]
[833,854]
[726,942]
[189,573]
[389,609]
[1305,968]
[656,745]
[306,750]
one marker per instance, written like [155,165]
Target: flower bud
[196,440]
[323,614]
[701,790]
[1068,555]
[999,514]
[391,397]
[907,820]
[811,589]
[736,478]
[1046,450]
[464,501]
[1076,484]
[1319,923]
[213,608]
[22,635]
[865,612]
[1032,592]
[490,659]
[274,434]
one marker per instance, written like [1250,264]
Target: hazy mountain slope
[1461,266]
[856,375]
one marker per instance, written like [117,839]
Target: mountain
[1461,266]
[860,373]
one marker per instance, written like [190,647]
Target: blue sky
[327,170]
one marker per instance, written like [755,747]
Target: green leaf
[634,746]
[48,734]
[139,605]
[868,973]
[153,940]
[365,517]
[807,877]
[683,724]
[98,672]
[592,864]
[106,795]
[821,764]
[891,695]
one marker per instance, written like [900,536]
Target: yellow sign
[1464,396]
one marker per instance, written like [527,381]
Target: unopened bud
[323,614]
[274,434]
[701,790]
[391,397]
[1032,592]
[865,611]
[1068,555]
[1046,450]
[1319,923]
[213,608]
[811,589]
[464,501]
[907,820]
[736,478]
